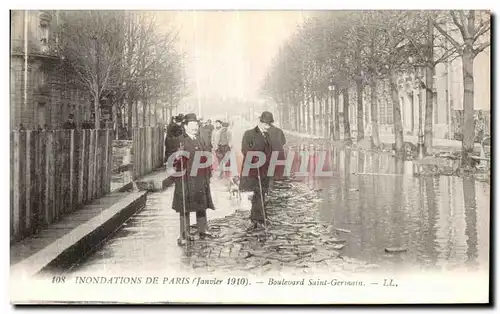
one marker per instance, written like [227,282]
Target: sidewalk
[67,241]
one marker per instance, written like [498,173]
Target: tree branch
[483,28]
[458,24]
[447,36]
[479,49]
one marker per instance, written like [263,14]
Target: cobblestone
[295,240]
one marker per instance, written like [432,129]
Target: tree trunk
[347,127]
[398,123]
[136,105]
[97,112]
[374,113]
[336,133]
[429,104]
[116,123]
[468,117]
[360,118]
[144,111]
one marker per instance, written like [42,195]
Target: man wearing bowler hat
[257,140]
[192,190]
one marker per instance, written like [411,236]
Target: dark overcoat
[278,141]
[196,194]
[254,140]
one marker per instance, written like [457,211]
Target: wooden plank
[161,154]
[74,166]
[134,154]
[42,148]
[107,168]
[149,149]
[95,179]
[153,148]
[31,181]
[49,177]
[83,161]
[102,161]
[13,165]
[16,184]
[110,161]
[57,174]
[62,173]
[139,152]
[91,165]
[22,184]
[67,172]
[87,166]
[161,146]
[145,149]
[99,181]
[135,149]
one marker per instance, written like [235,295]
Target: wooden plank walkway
[74,235]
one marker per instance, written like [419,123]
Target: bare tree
[472,38]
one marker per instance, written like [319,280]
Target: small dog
[234,188]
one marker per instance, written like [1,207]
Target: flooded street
[441,221]
[344,222]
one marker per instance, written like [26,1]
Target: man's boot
[202,225]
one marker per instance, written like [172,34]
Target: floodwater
[371,199]
[442,222]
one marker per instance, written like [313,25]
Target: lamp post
[418,86]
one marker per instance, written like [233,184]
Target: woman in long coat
[192,191]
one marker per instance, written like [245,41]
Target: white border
[189,4]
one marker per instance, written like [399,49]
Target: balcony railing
[34,48]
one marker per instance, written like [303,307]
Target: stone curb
[72,247]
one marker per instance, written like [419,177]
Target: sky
[229,52]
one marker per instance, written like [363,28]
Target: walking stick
[187,234]
[262,202]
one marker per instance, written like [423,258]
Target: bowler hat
[266,117]
[179,117]
[190,117]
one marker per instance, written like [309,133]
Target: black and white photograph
[250,156]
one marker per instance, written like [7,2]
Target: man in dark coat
[278,141]
[192,191]
[174,130]
[257,139]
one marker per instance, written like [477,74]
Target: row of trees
[126,56]
[334,51]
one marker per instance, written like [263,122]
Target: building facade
[40,94]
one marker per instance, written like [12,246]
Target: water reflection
[377,199]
